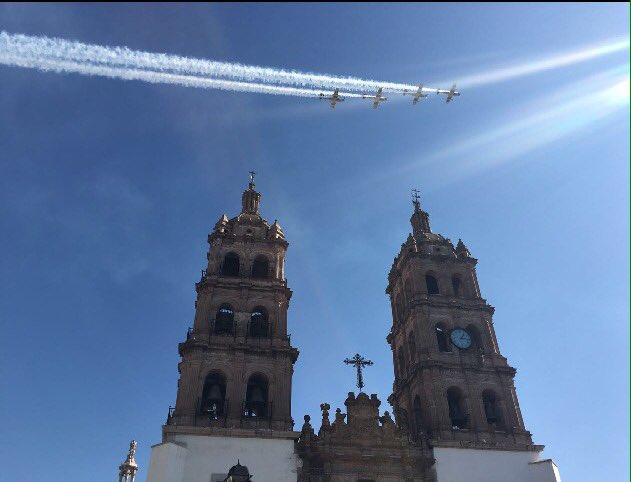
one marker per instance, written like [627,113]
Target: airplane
[377,98]
[451,93]
[334,98]
[418,95]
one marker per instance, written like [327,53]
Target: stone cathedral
[456,416]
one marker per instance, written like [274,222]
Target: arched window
[442,338]
[214,396]
[230,265]
[418,415]
[224,321]
[256,404]
[259,323]
[456,284]
[260,267]
[456,409]
[491,408]
[432,285]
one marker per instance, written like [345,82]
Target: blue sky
[108,189]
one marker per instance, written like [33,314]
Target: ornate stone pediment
[359,441]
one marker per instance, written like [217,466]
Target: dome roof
[240,470]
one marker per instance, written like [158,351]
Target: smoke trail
[122,57]
[153,77]
[210,74]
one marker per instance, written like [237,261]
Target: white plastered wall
[194,458]
[470,465]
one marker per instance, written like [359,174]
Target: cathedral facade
[456,414]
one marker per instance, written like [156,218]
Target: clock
[460,338]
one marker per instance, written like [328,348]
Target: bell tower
[452,384]
[234,388]
[237,361]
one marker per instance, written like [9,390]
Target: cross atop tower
[416,199]
[359,362]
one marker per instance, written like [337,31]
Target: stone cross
[359,362]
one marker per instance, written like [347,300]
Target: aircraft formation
[378,98]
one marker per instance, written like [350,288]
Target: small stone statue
[339,418]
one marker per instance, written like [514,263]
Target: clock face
[460,338]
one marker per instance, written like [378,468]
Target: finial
[325,407]
[307,429]
[420,219]
[127,470]
[250,199]
[462,250]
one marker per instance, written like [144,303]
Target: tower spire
[250,199]
[419,219]
[127,470]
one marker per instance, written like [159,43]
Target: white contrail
[210,74]
[122,57]
[156,77]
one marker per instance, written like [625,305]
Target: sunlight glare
[619,92]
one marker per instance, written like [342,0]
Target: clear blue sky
[108,189]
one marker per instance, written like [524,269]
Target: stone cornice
[487,445]
[228,344]
[228,432]
[212,281]
[229,238]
